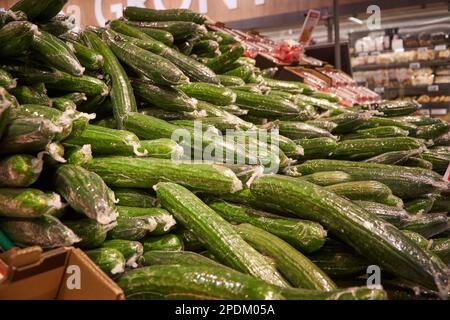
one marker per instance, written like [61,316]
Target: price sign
[433,88]
[414,65]
[379,89]
[440,47]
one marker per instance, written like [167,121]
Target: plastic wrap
[20,170]
[110,260]
[131,250]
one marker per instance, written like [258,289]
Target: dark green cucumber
[230,81]
[131,228]
[7,103]
[441,247]
[221,63]
[10,15]
[155,67]
[179,29]
[394,157]
[58,25]
[362,190]
[134,198]
[166,98]
[432,131]
[251,87]
[326,96]
[169,242]
[374,122]
[327,178]
[418,120]
[56,53]
[105,141]
[419,163]
[319,103]
[184,258]
[45,231]
[417,238]
[186,46]
[306,236]
[440,161]
[171,115]
[324,124]
[421,205]
[36,94]
[190,241]
[301,130]
[286,85]
[28,203]
[159,35]
[215,94]
[348,121]
[379,132]
[297,268]
[352,224]
[398,108]
[20,170]
[161,220]
[317,148]
[244,72]
[131,250]
[146,14]
[405,182]
[91,233]
[86,193]
[6,80]
[16,37]
[428,225]
[443,140]
[392,214]
[149,128]
[163,149]
[215,233]
[194,282]
[144,173]
[110,260]
[79,156]
[89,58]
[234,110]
[122,96]
[366,148]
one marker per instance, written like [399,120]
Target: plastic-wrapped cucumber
[59,25]
[428,225]
[28,203]
[110,260]
[6,80]
[36,94]
[374,122]
[168,242]
[306,236]
[443,140]
[339,264]
[129,197]
[131,228]
[392,214]
[161,220]
[131,250]
[439,160]
[324,124]
[91,233]
[419,163]
[10,15]
[433,131]
[79,156]
[154,257]
[317,148]
[348,121]
[16,37]
[327,178]
[163,149]
[105,141]
[19,170]
[362,190]
[379,132]
[45,231]
[301,130]
[394,157]
[441,247]
[86,193]
[421,205]
[398,108]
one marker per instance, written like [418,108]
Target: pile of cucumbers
[87,158]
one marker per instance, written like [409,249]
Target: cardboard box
[59,274]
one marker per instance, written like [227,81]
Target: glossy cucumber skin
[130,228]
[19,170]
[432,131]
[156,257]
[146,172]
[122,95]
[352,224]
[394,157]
[221,63]
[405,182]
[301,130]
[306,236]
[441,247]
[16,37]
[148,127]
[179,29]
[374,122]
[134,198]
[92,233]
[32,8]
[215,233]
[298,269]
[194,282]
[317,148]
[215,94]
[362,190]
[419,163]
[161,220]
[7,102]
[32,95]
[110,260]
[379,132]
[131,250]
[146,14]
[88,57]
[6,80]
[169,242]
[439,161]
[327,178]
[163,149]
[428,225]
[398,108]
[28,203]
[392,214]
[230,81]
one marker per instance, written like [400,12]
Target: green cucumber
[58,25]
[419,163]
[171,115]
[421,205]
[6,80]
[91,233]
[440,161]
[317,148]
[244,72]
[155,67]
[45,231]
[169,242]
[405,182]
[215,233]
[362,190]
[20,170]
[387,246]
[417,238]
[348,121]
[441,204]
[394,157]
[166,98]
[428,225]
[194,282]
[149,128]
[432,131]
[234,110]
[392,214]
[323,124]
[441,247]
[297,268]
[16,38]
[131,250]
[56,53]
[179,29]
[28,203]
[286,85]
[76,97]
[326,96]
[86,193]
[366,148]
[89,58]
[301,130]
[253,88]
[122,96]
[161,220]
[7,102]
[163,149]
[110,260]
[443,140]
[79,156]
[231,81]
[215,94]
[129,197]
[398,108]
[162,36]
[190,241]
[327,178]
[146,14]
[306,236]
[418,120]
[105,141]
[131,228]
[379,132]
[63,104]
[36,94]
[374,122]
[144,173]
[223,62]
[10,15]
[319,103]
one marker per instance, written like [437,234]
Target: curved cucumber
[168,242]
[131,250]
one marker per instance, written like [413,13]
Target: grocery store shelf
[411,65]
[394,92]
[436,105]
[375,53]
